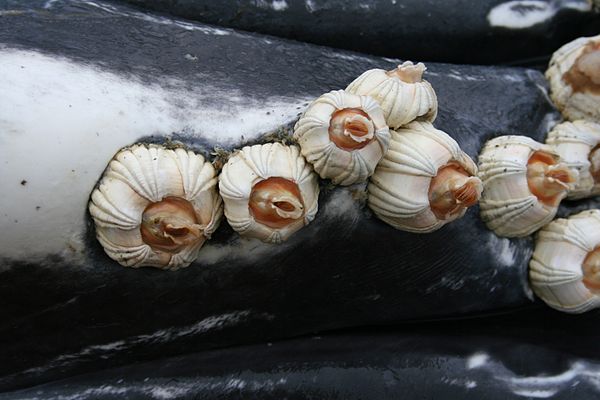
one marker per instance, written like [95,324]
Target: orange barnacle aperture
[170,224]
[276,202]
[351,129]
[548,179]
[452,190]
[591,270]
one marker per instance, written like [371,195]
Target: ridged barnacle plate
[565,268]
[402,93]
[574,76]
[578,144]
[155,206]
[269,191]
[343,136]
[424,181]
[523,184]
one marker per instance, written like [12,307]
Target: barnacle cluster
[381,127]
[156,206]
[565,268]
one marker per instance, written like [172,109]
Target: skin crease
[584,75]
[547,179]
[349,122]
[170,224]
[591,271]
[276,202]
[450,191]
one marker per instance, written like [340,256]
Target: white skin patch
[503,249]
[541,387]
[277,5]
[61,122]
[520,14]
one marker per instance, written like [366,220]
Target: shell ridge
[498,213]
[574,234]
[131,174]
[131,255]
[227,186]
[109,214]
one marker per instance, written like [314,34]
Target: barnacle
[155,206]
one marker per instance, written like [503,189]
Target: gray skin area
[450,359]
[346,269]
[456,31]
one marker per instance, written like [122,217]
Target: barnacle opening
[408,72]
[594,158]
[548,180]
[584,75]
[170,225]
[351,129]
[591,271]
[452,190]
[276,202]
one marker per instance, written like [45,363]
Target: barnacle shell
[156,207]
[578,144]
[343,136]
[565,268]
[403,94]
[574,76]
[523,183]
[269,191]
[424,181]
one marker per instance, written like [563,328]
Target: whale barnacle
[269,191]
[155,206]
[402,93]
[565,268]
[523,184]
[343,136]
[578,144]
[574,77]
[424,181]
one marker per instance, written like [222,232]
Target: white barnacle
[155,206]
[578,145]
[269,191]
[343,136]
[523,184]
[402,93]
[565,268]
[424,181]
[574,76]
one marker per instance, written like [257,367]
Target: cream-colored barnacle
[565,268]
[402,93]
[269,191]
[424,181]
[343,136]
[574,76]
[155,206]
[523,184]
[578,145]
